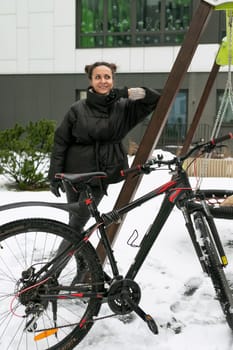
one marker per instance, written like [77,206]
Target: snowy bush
[24,153]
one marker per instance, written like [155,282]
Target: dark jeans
[78,219]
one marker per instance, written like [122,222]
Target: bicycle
[51,301]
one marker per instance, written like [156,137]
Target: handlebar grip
[136,169]
[222,138]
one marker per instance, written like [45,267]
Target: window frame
[161,34]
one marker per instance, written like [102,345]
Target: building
[46,44]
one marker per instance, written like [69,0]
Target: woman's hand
[136,93]
[55,187]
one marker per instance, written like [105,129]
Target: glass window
[91,23]
[228,112]
[120,23]
[178,113]
[175,130]
[176,126]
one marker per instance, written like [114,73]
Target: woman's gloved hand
[136,93]
[56,186]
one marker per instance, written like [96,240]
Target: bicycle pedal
[145,317]
[151,324]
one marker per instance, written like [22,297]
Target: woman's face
[102,80]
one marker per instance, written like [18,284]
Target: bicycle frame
[57,273]
[175,191]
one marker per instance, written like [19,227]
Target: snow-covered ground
[174,290]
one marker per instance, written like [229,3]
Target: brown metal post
[160,114]
[200,108]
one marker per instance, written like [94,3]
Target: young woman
[90,136]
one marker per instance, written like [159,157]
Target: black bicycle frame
[177,193]
[174,190]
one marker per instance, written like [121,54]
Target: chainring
[118,293]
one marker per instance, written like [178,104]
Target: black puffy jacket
[89,138]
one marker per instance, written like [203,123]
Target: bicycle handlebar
[206,147]
[222,138]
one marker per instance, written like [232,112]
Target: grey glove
[136,93]
[56,186]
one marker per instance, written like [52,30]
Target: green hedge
[25,153]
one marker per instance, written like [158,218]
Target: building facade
[46,44]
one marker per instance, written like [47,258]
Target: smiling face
[102,80]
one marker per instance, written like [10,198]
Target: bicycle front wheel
[214,265]
[38,310]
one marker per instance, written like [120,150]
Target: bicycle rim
[215,270]
[25,247]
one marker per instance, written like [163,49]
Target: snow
[174,290]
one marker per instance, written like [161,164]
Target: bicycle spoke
[26,310]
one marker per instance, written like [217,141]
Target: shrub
[25,152]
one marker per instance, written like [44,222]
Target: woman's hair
[89,68]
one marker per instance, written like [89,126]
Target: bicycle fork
[193,234]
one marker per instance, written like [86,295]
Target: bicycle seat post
[90,202]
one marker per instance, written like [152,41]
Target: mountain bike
[50,298]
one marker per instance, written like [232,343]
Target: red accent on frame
[78,295]
[82,323]
[174,195]
[166,186]
[71,252]
[88,201]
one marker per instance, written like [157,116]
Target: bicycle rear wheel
[43,314]
[215,267]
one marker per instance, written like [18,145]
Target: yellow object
[225,53]
[226,6]
[45,334]
[224,260]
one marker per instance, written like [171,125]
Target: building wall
[40,68]
[41,39]
[26,97]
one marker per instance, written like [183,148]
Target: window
[228,114]
[120,23]
[176,127]
[174,132]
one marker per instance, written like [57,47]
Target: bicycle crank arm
[145,317]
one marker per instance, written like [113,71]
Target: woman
[89,138]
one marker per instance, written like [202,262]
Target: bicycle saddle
[82,177]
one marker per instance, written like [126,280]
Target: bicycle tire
[218,212]
[31,243]
[214,268]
